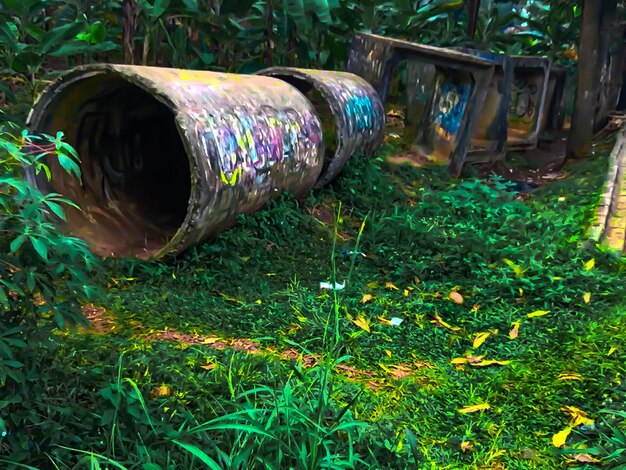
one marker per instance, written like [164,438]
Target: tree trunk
[129,27]
[474,9]
[581,133]
[609,52]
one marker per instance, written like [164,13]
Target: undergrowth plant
[43,276]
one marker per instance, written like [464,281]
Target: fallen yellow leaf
[162,391]
[560,437]
[455,297]
[439,322]
[459,360]
[387,352]
[611,350]
[466,446]
[480,339]
[538,313]
[590,264]
[577,416]
[474,359]
[362,323]
[405,292]
[475,308]
[384,321]
[390,285]
[517,269]
[372,285]
[572,376]
[514,333]
[584,458]
[587,297]
[366,298]
[491,362]
[474,408]
[208,367]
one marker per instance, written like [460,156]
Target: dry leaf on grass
[491,362]
[474,408]
[560,437]
[587,297]
[572,376]
[480,338]
[162,391]
[514,333]
[456,297]
[577,416]
[439,322]
[538,313]
[362,323]
[366,298]
[590,264]
[466,446]
[583,458]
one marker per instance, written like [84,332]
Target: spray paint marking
[247,145]
[450,108]
[523,100]
[360,110]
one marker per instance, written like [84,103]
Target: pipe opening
[136,178]
[327,118]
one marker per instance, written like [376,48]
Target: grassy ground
[461,263]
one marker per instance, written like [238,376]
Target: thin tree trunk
[474,9]
[607,55]
[269,51]
[129,27]
[581,133]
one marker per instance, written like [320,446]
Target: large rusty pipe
[357,115]
[170,157]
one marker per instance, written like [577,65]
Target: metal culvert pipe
[170,157]
[352,113]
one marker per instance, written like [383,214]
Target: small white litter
[329,286]
[395,321]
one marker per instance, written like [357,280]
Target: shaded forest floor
[481,331]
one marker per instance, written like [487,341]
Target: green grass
[424,236]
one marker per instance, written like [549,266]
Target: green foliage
[43,277]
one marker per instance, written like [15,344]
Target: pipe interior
[136,180]
[327,118]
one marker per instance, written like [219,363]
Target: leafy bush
[43,277]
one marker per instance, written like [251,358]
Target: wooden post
[581,133]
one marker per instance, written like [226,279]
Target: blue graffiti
[451,106]
[359,108]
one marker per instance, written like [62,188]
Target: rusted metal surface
[445,88]
[357,114]
[171,157]
[528,97]
[490,132]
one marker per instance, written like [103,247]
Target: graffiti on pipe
[524,96]
[450,108]
[249,143]
[360,111]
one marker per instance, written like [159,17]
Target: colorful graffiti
[247,143]
[450,108]
[360,111]
[524,96]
